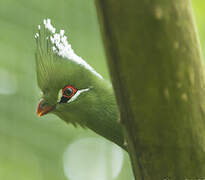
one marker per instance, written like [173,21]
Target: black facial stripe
[64,99]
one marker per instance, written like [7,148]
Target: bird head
[70,86]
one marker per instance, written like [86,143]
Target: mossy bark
[156,68]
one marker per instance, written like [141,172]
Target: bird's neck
[105,120]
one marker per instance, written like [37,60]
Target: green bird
[72,89]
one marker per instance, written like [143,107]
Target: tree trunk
[156,68]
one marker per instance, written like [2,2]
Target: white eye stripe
[73,98]
[60,94]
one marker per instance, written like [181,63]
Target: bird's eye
[67,93]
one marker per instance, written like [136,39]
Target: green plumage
[95,109]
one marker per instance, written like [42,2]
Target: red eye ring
[74,90]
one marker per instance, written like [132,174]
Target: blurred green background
[33,148]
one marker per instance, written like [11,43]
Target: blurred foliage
[31,147]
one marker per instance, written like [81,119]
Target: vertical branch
[156,68]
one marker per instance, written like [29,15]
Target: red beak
[43,109]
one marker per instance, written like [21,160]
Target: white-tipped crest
[62,48]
